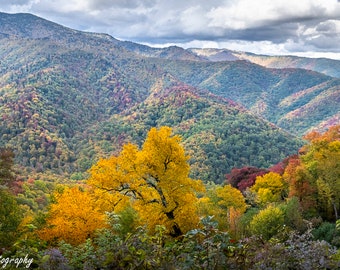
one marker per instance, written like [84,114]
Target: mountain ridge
[69,97]
[35,27]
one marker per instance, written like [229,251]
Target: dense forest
[68,98]
[140,209]
[116,155]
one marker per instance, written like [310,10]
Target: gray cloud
[300,25]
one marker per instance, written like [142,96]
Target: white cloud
[256,25]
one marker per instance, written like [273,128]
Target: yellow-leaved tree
[73,218]
[269,188]
[232,201]
[322,160]
[226,204]
[154,180]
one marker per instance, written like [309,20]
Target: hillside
[297,100]
[218,134]
[329,67]
[296,93]
[68,97]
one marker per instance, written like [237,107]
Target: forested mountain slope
[297,100]
[329,67]
[296,93]
[217,133]
[68,97]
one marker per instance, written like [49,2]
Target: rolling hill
[68,97]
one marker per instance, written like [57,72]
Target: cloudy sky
[300,27]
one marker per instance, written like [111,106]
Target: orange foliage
[300,183]
[332,134]
[73,218]
[314,177]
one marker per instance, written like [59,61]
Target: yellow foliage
[230,197]
[233,202]
[155,180]
[269,188]
[322,158]
[73,218]
[208,207]
[267,222]
[226,204]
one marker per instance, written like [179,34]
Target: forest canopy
[140,208]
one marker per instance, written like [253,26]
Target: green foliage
[124,222]
[244,222]
[299,251]
[10,218]
[204,248]
[268,222]
[217,134]
[53,129]
[293,215]
[68,98]
[295,100]
[36,194]
[327,231]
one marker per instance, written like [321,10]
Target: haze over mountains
[68,97]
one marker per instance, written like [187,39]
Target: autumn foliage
[269,188]
[74,217]
[143,200]
[154,180]
[245,177]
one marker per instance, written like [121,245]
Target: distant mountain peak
[29,26]
[25,25]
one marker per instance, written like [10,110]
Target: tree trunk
[335,210]
[175,230]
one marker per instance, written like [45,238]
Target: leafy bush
[267,222]
[327,231]
[297,252]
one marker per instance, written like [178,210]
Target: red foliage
[244,178]
[16,187]
[281,166]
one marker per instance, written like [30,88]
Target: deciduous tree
[73,218]
[155,180]
[301,185]
[225,204]
[322,159]
[269,188]
[244,178]
[233,203]
[6,166]
[267,222]
[10,218]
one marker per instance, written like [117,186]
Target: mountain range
[69,97]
